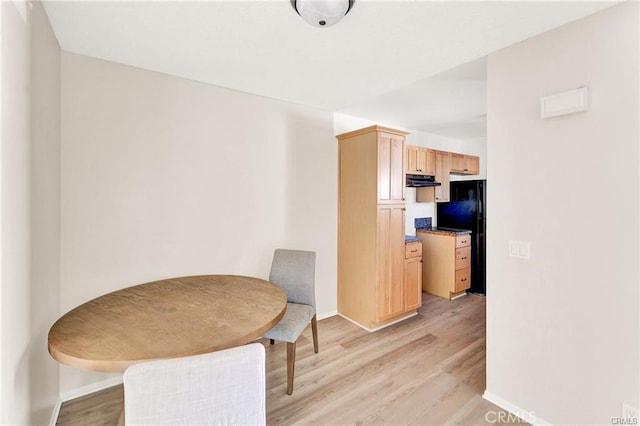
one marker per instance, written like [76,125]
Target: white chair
[294,272]
[219,388]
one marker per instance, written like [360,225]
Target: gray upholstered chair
[294,272]
[224,387]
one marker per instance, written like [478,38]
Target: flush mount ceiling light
[322,13]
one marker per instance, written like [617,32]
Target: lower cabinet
[413,275]
[390,243]
[447,261]
[373,290]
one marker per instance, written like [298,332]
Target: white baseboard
[459,296]
[526,415]
[327,315]
[90,388]
[371,330]
[82,391]
[56,412]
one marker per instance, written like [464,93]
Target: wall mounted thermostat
[563,103]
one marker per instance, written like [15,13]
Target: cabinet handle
[463,258]
[463,280]
[413,251]
[466,170]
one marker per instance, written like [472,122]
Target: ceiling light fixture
[322,13]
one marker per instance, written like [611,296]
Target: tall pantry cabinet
[371,215]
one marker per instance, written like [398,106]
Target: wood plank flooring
[427,370]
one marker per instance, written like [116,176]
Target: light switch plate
[520,249]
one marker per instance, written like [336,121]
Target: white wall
[2,359]
[30,212]
[164,177]
[562,327]
[15,214]
[45,211]
[477,147]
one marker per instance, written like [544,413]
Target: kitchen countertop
[411,239]
[449,231]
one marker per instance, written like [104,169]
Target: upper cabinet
[421,161]
[390,166]
[463,164]
[443,168]
[426,161]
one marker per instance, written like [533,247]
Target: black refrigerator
[467,209]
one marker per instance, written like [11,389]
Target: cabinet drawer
[463,257]
[413,250]
[463,279]
[463,240]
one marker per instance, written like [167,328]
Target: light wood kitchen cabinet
[444,164]
[371,228]
[443,168]
[421,161]
[426,194]
[411,159]
[390,168]
[448,260]
[413,275]
[391,252]
[463,164]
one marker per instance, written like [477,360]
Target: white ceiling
[451,103]
[375,63]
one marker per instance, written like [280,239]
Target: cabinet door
[429,161]
[421,160]
[412,159]
[390,168]
[413,283]
[443,168]
[390,260]
[457,163]
[426,161]
[471,165]
[465,164]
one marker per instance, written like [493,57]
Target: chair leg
[314,331]
[272,341]
[291,362]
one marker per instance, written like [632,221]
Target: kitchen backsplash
[422,222]
[416,210]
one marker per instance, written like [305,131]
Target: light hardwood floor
[427,370]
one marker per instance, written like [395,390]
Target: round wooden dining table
[170,318]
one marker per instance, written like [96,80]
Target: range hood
[418,181]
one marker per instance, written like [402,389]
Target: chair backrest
[225,387]
[295,272]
